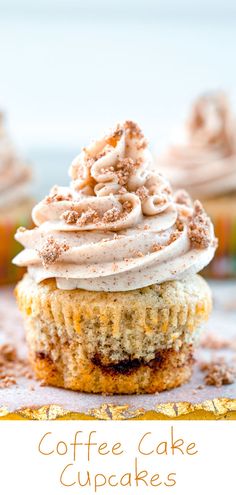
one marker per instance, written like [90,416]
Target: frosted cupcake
[15,205]
[205,164]
[111,301]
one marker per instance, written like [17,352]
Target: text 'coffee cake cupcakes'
[111,302]
[15,204]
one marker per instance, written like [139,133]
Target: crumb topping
[111,215]
[70,216]
[89,216]
[138,254]
[51,251]
[55,196]
[199,231]
[112,141]
[179,224]
[156,247]
[173,237]
[133,130]
[142,192]
[125,168]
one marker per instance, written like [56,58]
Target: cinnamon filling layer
[162,360]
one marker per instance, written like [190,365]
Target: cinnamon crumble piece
[138,254]
[127,206]
[124,169]
[51,251]
[111,215]
[133,129]
[57,197]
[89,216]
[199,232]
[70,216]
[173,237]
[156,247]
[142,193]
[11,366]
[218,373]
[179,224]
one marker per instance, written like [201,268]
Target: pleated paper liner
[27,399]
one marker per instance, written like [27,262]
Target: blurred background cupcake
[15,203]
[204,163]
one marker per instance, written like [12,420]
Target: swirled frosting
[14,174]
[118,226]
[205,163]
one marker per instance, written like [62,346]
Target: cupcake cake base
[139,341]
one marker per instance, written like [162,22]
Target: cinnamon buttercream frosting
[14,174]
[205,162]
[118,226]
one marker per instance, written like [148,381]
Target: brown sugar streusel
[51,251]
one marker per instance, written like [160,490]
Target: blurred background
[71,68]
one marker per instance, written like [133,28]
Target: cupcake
[205,164]
[112,302]
[15,205]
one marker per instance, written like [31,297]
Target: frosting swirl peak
[118,226]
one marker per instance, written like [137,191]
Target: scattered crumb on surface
[12,367]
[218,373]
